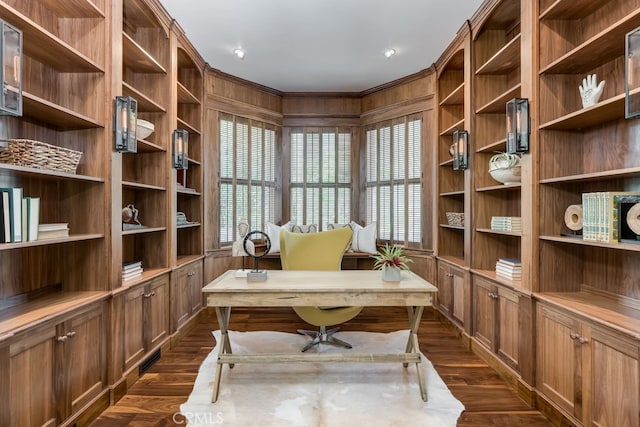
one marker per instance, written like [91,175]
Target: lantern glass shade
[632,74]
[180,143]
[11,66]
[460,150]
[125,124]
[518,125]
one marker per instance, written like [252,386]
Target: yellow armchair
[318,251]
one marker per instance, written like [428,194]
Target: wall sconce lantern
[518,125]
[11,68]
[632,74]
[124,124]
[180,142]
[460,150]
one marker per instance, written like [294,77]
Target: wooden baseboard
[524,390]
[555,415]
[185,328]
[91,411]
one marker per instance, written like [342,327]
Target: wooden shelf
[576,241]
[505,60]
[452,193]
[609,310]
[448,163]
[491,275]
[187,259]
[602,112]
[138,59]
[141,186]
[456,97]
[55,115]
[147,274]
[570,9]
[186,97]
[188,225]
[38,310]
[145,104]
[193,161]
[184,125]
[74,8]
[148,147]
[603,47]
[145,230]
[45,47]
[456,126]
[452,260]
[595,176]
[46,242]
[493,146]
[498,105]
[502,233]
[501,187]
[452,227]
[187,191]
[12,170]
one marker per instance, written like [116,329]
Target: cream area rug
[319,394]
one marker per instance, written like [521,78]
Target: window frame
[392,182]
[234,181]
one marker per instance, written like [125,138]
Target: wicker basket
[455,219]
[40,155]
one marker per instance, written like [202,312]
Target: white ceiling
[321,45]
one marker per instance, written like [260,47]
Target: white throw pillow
[273,231]
[310,228]
[364,238]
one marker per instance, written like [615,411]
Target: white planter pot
[390,274]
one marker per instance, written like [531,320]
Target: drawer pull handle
[152,294]
[63,338]
[71,334]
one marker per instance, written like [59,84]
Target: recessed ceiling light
[389,53]
[239,53]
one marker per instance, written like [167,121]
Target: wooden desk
[319,288]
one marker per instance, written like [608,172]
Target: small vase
[390,274]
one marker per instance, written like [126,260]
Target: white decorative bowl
[143,128]
[507,175]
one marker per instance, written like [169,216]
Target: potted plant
[391,259]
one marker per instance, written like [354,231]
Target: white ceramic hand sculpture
[590,91]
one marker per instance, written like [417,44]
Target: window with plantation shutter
[320,183]
[393,179]
[247,175]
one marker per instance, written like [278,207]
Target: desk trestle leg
[224,347]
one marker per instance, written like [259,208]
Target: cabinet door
[157,297]
[133,313]
[508,327]
[484,313]
[85,355]
[559,360]
[444,289]
[614,380]
[194,276]
[180,298]
[457,286]
[31,378]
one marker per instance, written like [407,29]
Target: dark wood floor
[155,398]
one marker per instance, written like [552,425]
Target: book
[30,218]
[510,261]
[131,275]
[5,234]
[53,231]
[131,265]
[15,212]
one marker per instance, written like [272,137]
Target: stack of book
[600,216]
[131,270]
[509,268]
[53,231]
[511,224]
